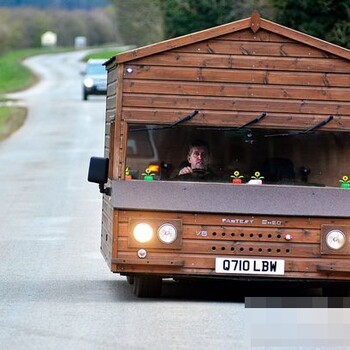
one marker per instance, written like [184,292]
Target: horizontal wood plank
[236,90]
[301,64]
[261,35]
[250,48]
[208,118]
[250,248]
[256,234]
[204,261]
[237,104]
[238,76]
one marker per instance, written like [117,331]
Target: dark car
[95,78]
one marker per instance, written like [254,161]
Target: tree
[22,27]
[187,16]
[325,19]
[183,17]
[139,22]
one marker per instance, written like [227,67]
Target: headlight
[143,232]
[88,82]
[335,239]
[167,233]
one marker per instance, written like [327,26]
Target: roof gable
[255,23]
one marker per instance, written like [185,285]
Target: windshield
[95,69]
[247,156]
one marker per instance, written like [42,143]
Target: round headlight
[143,232]
[335,239]
[88,82]
[167,233]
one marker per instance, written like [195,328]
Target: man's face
[198,158]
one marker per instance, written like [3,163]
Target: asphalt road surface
[56,292]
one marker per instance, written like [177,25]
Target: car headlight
[167,233]
[88,82]
[335,239]
[143,232]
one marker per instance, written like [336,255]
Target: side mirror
[98,173]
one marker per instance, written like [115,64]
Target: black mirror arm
[105,190]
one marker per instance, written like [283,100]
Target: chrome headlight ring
[167,233]
[335,239]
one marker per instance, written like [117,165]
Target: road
[56,291]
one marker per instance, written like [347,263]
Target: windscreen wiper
[254,121]
[303,132]
[171,126]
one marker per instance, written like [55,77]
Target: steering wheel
[198,172]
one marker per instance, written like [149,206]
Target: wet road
[56,291]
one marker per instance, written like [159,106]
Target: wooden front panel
[236,76]
[204,239]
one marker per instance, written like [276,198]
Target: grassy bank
[11,119]
[13,75]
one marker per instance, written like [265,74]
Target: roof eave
[304,38]
[182,40]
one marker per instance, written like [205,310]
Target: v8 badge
[202,233]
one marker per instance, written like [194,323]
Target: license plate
[249,266]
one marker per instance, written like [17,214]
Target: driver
[198,158]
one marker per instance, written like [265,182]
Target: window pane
[312,159]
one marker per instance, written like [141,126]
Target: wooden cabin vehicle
[274,106]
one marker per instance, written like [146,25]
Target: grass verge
[14,75]
[11,119]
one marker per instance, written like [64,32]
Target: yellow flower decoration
[236,175]
[257,176]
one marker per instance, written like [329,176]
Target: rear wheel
[147,286]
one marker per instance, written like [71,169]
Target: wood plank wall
[233,78]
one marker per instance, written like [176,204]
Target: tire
[147,286]
[85,96]
[130,279]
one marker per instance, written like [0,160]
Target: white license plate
[249,266]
